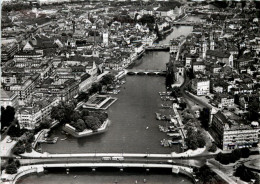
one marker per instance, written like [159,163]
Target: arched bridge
[145,72]
[86,165]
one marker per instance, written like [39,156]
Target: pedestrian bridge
[145,72]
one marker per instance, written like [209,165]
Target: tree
[96,87]
[19,149]
[14,130]
[83,96]
[213,148]
[107,79]
[176,92]
[80,125]
[244,173]
[245,152]
[11,168]
[45,124]
[204,117]
[200,141]
[63,112]
[30,138]
[254,108]
[7,115]
[146,18]
[84,112]
[28,148]
[75,116]
[102,116]
[236,155]
[17,163]
[92,123]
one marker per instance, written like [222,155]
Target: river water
[134,128]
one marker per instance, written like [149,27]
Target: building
[63,89]
[8,98]
[41,2]
[225,100]
[200,86]
[230,135]
[29,117]
[199,66]
[8,51]
[105,38]
[24,88]
[174,46]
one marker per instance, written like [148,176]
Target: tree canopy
[194,139]
[107,79]
[63,112]
[88,120]
[7,115]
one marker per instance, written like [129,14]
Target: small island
[88,123]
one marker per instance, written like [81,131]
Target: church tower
[204,49]
[212,41]
[105,37]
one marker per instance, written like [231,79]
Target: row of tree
[233,156]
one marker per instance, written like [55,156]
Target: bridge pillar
[93,169]
[67,170]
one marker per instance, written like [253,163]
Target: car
[4,129]
[9,140]
[106,158]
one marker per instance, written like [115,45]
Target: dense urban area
[130,91]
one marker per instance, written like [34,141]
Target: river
[134,128]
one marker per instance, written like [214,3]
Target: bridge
[185,23]
[98,163]
[163,47]
[145,72]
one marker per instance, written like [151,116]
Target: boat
[173,134]
[175,137]
[51,141]
[158,116]
[166,106]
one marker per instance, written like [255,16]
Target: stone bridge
[165,47]
[145,72]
